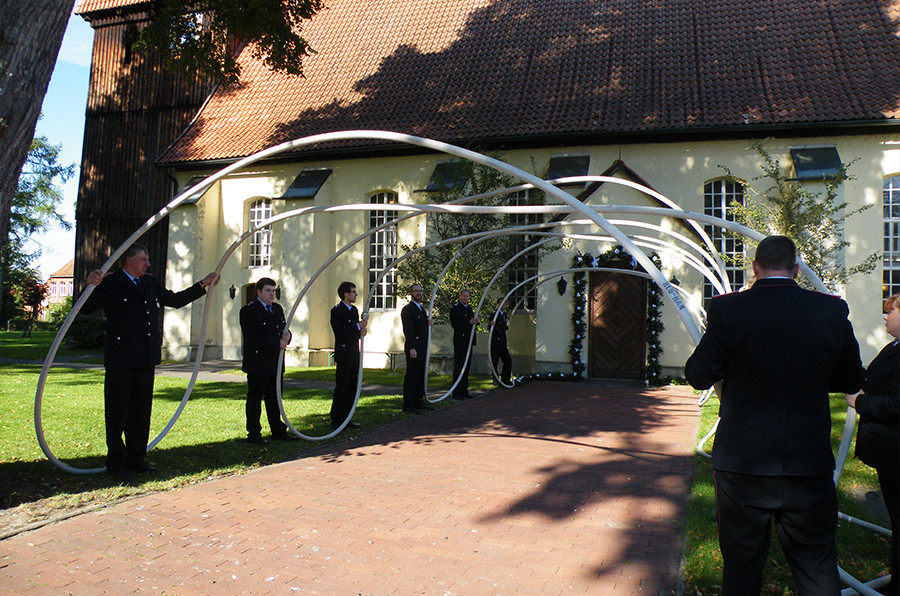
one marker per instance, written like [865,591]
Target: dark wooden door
[617,329]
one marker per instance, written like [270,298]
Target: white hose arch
[567,202]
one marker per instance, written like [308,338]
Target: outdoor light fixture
[232,291]
[561,286]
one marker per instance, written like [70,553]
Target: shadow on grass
[208,438]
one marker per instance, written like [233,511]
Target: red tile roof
[459,70]
[88,6]
[67,270]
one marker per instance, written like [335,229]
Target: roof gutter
[680,135]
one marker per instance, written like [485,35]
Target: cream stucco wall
[302,244]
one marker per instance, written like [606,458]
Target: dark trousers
[499,352]
[345,377]
[128,401]
[805,512]
[262,388]
[459,357]
[889,479]
[414,381]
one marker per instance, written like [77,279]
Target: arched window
[259,252]
[719,196]
[890,272]
[382,251]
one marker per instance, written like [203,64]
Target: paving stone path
[548,488]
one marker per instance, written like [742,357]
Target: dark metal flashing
[384,149]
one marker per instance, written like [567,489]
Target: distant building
[60,285]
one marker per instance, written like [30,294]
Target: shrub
[87,331]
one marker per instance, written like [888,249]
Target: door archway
[617,328]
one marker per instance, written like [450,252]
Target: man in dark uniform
[263,330]
[778,350]
[131,299]
[347,330]
[415,334]
[463,321]
[499,348]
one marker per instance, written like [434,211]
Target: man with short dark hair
[778,351]
[347,330]
[463,321]
[415,345]
[131,299]
[265,336]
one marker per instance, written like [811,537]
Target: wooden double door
[617,328]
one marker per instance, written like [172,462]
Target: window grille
[891,255]
[718,198]
[526,265]
[382,252]
[260,248]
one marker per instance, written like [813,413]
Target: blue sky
[63,124]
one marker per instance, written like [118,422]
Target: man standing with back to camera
[131,299]
[778,350]
[265,336]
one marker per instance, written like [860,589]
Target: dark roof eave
[729,132]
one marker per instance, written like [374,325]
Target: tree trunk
[31,32]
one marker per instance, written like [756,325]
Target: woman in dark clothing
[878,436]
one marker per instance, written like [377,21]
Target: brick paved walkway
[545,489]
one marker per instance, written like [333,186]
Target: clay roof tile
[458,70]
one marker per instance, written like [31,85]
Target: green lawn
[207,440]
[34,347]
[863,554]
[380,376]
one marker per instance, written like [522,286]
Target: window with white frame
[259,251]
[890,272]
[718,198]
[526,265]
[383,251]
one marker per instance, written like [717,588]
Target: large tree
[33,210]
[31,32]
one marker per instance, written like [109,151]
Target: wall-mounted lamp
[561,286]
[232,291]
[674,281]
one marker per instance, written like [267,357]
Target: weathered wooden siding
[135,109]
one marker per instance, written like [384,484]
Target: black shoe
[424,408]
[120,475]
[285,437]
[256,440]
[143,466]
